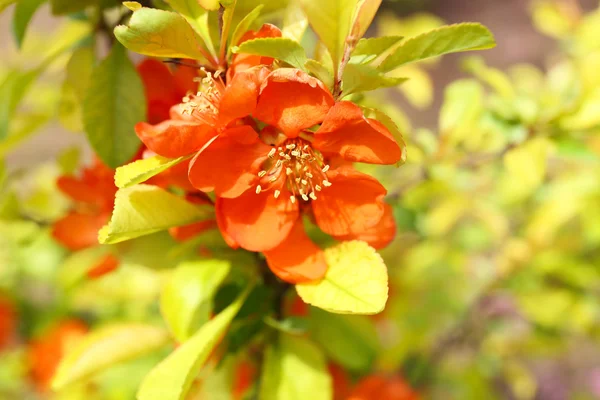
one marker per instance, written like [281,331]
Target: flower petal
[229,165]
[353,203]
[347,132]
[174,138]
[292,100]
[297,259]
[257,222]
[77,231]
[241,94]
[104,266]
[186,232]
[380,235]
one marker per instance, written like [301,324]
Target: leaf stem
[339,72]
[225,16]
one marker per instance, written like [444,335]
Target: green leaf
[290,325]
[497,79]
[365,13]
[6,3]
[279,48]
[463,102]
[113,104]
[141,170]
[144,209]
[444,40]
[349,340]
[105,347]
[199,18]
[244,25]
[23,13]
[12,90]
[320,71]
[74,89]
[186,298]
[25,125]
[295,369]
[62,7]
[173,377]
[331,21]
[160,33]
[294,22]
[356,281]
[369,49]
[69,160]
[363,78]
[212,5]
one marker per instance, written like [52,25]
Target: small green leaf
[294,369]
[144,209]
[369,49]
[279,48]
[244,25]
[23,13]
[331,21]
[186,298]
[141,170]
[355,346]
[69,160]
[320,71]
[114,103]
[105,347]
[6,3]
[290,325]
[199,18]
[444,40]
[132,5]
[173,377]
[363,78]
[294,22]
[463,102]
[74,89]
[160,33]
[211,5]
[356,281]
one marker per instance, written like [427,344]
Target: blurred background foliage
[495,272]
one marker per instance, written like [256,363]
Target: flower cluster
[275,146]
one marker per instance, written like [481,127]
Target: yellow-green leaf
[105,347]
[186,298]
[390,125]
[294,368]
[279,48]
[365,12]
[144,209]
[244,25]
[159,33]
[142,170]
[319,70]
[173,377]
[369,49]
[355,346]
[331,21]
[199,18]
[444,40]
[294,22]
[363,78]
[356,281]
[23,13]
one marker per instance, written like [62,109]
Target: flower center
[204,105]
[297,167]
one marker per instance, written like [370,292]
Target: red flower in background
[93,194]
[381,388]
[46,352]
[8,321]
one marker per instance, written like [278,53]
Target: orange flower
[93,193]
[245,375]
[265,182]
[8,321]
[46,352]
[380,388]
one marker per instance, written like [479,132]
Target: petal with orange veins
[230,164]
[351,205]
[257,222]
[380,235]
[241,95]
[77,231]
[297,259]
[292,100]
[347,132]
[174,138]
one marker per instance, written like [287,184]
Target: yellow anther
[258,189]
